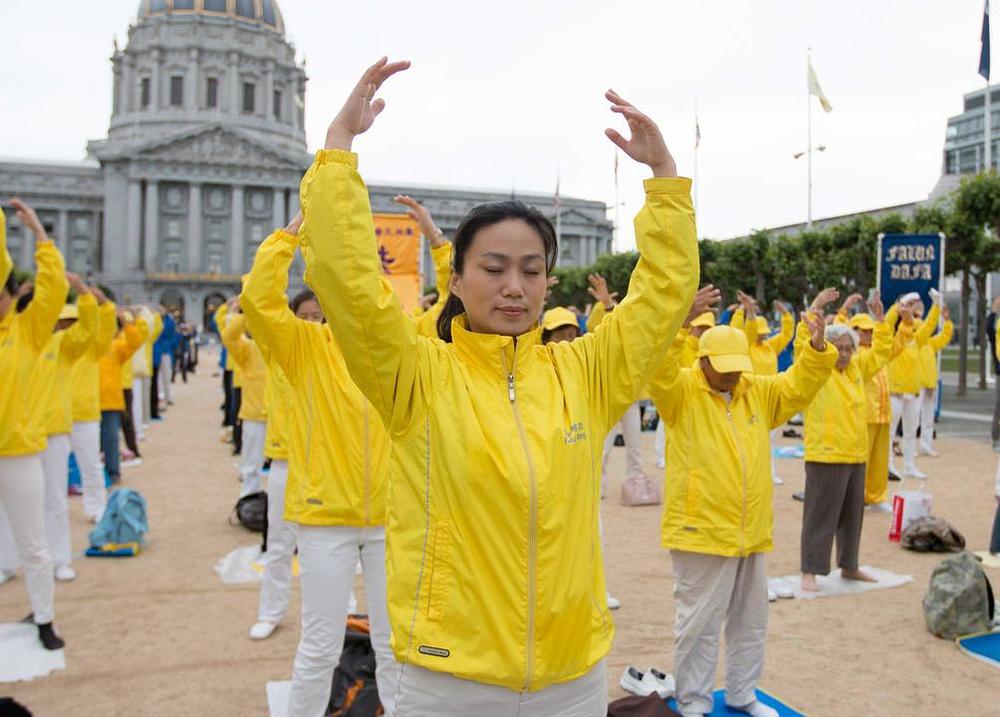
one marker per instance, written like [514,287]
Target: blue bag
[124,520]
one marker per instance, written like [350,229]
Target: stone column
[233,75]
[194,228]
[154,82]
[293,202]
[62,235]
[280,220]
[236,237]
[134,225]
[191,83]
[152,226]
[96,247]
[268,90]
[127,90]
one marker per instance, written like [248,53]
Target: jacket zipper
[743,463]
[532,518]
[368,473]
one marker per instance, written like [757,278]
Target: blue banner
[910,262]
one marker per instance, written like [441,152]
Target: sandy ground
[160,634]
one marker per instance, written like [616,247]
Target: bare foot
[809,583]
[857,575]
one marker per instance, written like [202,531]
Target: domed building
[205,149]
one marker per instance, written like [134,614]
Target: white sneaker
[132,463]
[914,473]
[929,452]
[771,595]
[262,630]
[6,576]
[666,685]
[755,709]
[613,602]
[661,463]
[639,683]
[882,507]
[64,573]
[778,480]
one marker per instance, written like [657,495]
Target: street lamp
[817,148]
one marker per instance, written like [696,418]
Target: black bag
[648,706]
[354,692]
[251,511]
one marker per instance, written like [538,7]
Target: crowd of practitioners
[77,374]
[458,452]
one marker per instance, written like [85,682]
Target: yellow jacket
[836,421]
[427,321]
[122,347]
[929,352]
[906,370]
[50,382]
[141,359]
[253,370]
[689,348]
[278,408]
[6,263]
[718,479]
[338,449]
[23,337]
[85,376]
[494,568]
[877,389]
[764,354]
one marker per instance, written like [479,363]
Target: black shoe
[790,433]
[799,495]
[50,640]
[894,476]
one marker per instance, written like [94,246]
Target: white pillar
[191,82]
[235,96]
[152,226]
[127,90]
[194,228]
[268,101]
[62,235]
[154,83]
[280,220]
[236,237]
[133,225]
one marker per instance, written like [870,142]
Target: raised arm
[781,340]
[943,337]
[791,391]
[6,263]
[605,300]
[232,339]
[80,336]
[51,285]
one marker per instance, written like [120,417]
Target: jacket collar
[495,352]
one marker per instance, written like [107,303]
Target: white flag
[815,89]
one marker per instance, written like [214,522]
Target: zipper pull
[510,387]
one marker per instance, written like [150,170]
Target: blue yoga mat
[720,709]
[985,647]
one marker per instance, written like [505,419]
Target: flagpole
[696,143]
[984,53]
[988,135]
[809,153]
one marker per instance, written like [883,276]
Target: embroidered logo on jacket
[575,434]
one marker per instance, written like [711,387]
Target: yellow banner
[398,239]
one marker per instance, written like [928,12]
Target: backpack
[124,520]
[251,511]
[354,692]
[931,535]
[959,600]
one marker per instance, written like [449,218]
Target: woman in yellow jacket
[717,514]
[249,361]
[129,339]
[837,446]
[929,378]
[23,337]
[338,471]
[496,581]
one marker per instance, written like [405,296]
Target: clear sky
[510,94]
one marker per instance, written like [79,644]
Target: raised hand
[850,301]
[826,296]
[422,216]
[876,307]
[294,225]
[945,312]
[77,284]
[781,307]
[646,144]
[360,109]
[599,290]
[28,217]
[99,295]
[817,328]
[705,299]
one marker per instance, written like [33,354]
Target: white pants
[905,407]
[631,429]
[425,693]
[163,388]
[9,560]
[660,447]
[55,466]
[252,456]
[22,493]
[327,558]
[86,443]
[138,417]
[147,409]
[710,590]
[775,435]
[277,580]
[928,403]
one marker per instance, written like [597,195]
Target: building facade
[205,149]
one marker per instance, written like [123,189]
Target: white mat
[277,698]
[238,565]
[22,656]
[832,584]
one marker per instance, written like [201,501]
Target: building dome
[263,13]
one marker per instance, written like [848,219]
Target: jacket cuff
[337,156]
[667,185]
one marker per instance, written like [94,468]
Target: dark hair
[12,284]
[483,216]
[23,301]
[301,298]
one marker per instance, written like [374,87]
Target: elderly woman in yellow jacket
[717,515]
[929,378]
[495,578]
[837,448]
[129,339]
[23,337]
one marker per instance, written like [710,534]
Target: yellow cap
[727,349]
[69,311]
[862,322]
[559,316]
[763,328]
[706,319]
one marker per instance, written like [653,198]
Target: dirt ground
[160,634]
